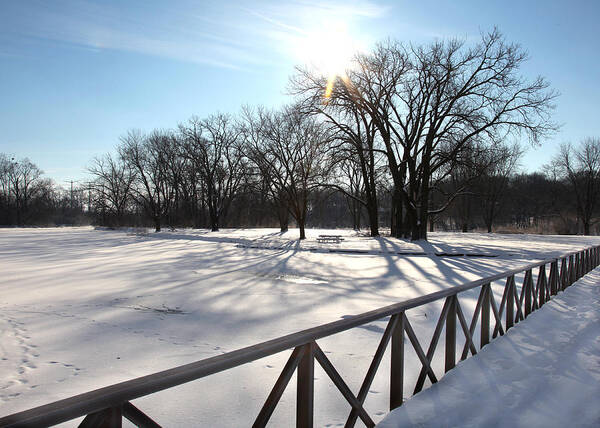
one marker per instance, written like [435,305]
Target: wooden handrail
[573,266]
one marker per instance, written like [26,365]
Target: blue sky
[76,75]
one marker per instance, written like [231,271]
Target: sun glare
[329,49]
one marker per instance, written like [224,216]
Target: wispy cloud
[289,27]
[228,36]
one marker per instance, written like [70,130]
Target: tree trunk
[393,226]
[356,213]
[156,223]
[373,219]
[284,217]
[302,231]
[397,216]
[410,225]
[419,231]
[214,218]
[423,198]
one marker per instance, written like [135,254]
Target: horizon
[79,74]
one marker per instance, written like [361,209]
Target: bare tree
[4,188]
[356,136]
[428,102]
[292,154]
[580,166]
[113,181]
[146,157]
[214,147]
[351,181]
[261,180]
[492,185]
[22,176]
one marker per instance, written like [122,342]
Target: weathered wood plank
[527,290]
[486,304]
[305,396]
[395,323]
[474,319]
[432,345]
[342,386]
[419,350]
[137,417]
[469,345]
[510,302]
[397,364]
[497,316]
[282,381]
[450,351]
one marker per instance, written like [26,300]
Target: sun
[329,48]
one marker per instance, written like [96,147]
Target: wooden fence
[106,407]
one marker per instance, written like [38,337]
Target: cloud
[365,9]
[221,35]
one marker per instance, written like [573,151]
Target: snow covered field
[83,308]
[545,372]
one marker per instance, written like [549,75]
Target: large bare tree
[356,144]
[429,102]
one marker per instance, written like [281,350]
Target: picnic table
[336,239]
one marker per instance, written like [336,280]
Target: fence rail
[106,407]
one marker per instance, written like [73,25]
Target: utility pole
[71,181]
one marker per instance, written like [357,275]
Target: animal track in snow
[18,355]
[71,369]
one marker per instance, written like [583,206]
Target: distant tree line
[564,199]
[414,138]
[29,199]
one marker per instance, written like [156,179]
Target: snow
[83,308]
[544,372]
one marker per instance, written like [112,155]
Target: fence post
[587,260]
[305,388]
[571,272]
[554,277]
[527,285]
[397,364]
[115,419]
[485,316]
[541,286]
[451,333]
[107,418]
[510,302]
